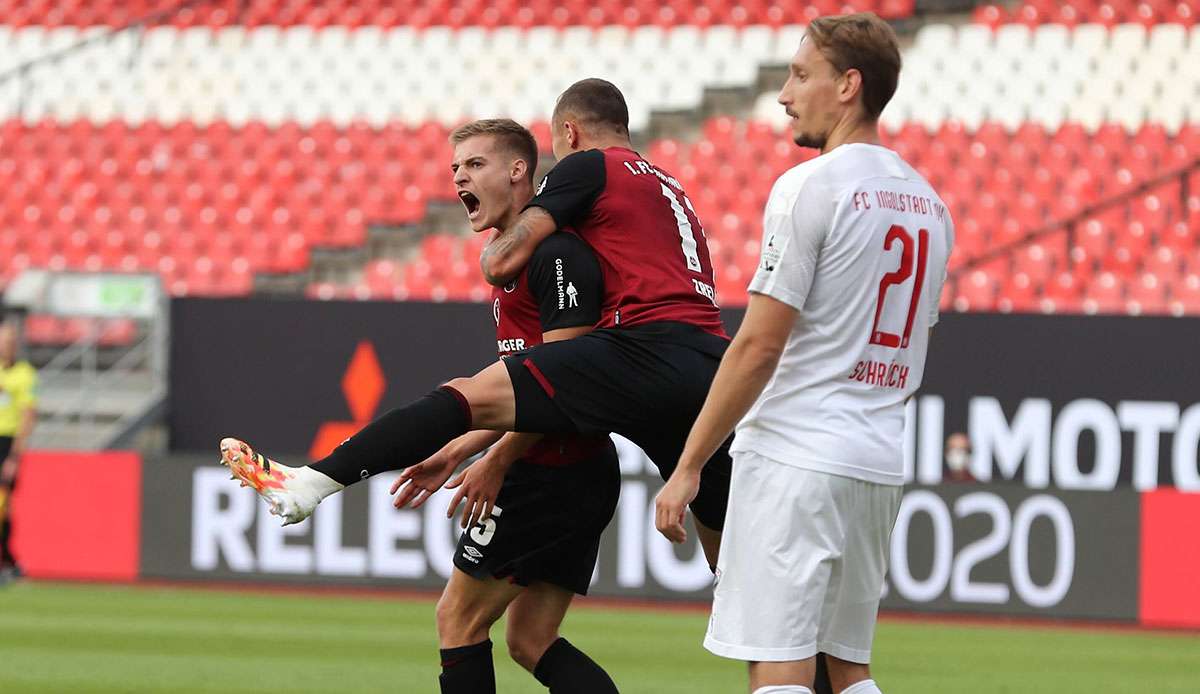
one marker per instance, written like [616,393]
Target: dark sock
[567,670]
[468,670]
[399,438]
[821,683]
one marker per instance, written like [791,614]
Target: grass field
[81,638]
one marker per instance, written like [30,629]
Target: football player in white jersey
[855,244]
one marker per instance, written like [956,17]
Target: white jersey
[857,241]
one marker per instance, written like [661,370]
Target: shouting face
[484,178]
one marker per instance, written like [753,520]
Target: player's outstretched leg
[397,439]
[292,492]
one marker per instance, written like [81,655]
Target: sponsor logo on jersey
[542,185]
[771,254]
[515,344]
[496,311]
[558,283]
[572,295]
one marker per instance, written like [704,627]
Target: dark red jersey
[645,232]
[561,287]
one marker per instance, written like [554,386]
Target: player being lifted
[536,545]
[854,252]
[642,373]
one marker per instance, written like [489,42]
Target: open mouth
[470,202]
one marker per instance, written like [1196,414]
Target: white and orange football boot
[292,492]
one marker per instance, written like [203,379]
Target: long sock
[863,687]
[821,683]
[468,670]
[399,438]
[565,669]
[784,689]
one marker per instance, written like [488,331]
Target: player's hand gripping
[478,485]
[418,482]
[671,504]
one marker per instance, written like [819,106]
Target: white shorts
[802,563]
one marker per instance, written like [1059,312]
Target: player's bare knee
[465,386]
[460,622]
[520,649]
[482,397]
[526,646]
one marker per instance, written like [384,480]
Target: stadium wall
[957,548]
[1071,402]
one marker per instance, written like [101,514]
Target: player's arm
[418,482]
[565,195]
[792,242]
[745,369]
[563,316]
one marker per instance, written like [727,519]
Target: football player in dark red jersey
[535,544]
[643,373]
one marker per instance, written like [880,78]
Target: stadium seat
[115,161]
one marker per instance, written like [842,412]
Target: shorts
[802,564]
[546,524]
[646,383]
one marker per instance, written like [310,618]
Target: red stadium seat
[1184,296]
[1105,294]
[1146,295]
[976,292]
[77,195]
[1110,12]
[455,13]
[1061,294]
[1018,294]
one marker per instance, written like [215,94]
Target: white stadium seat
[968,73]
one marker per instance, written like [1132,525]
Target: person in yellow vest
[18,401]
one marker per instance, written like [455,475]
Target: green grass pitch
[86,638]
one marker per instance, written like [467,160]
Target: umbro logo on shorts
[474,552]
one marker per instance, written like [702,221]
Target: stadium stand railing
[1166,289]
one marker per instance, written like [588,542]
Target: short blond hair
[863,42]
[510,136]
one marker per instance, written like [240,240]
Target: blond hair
[509,135]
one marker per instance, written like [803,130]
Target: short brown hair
[595,101]
[510,136]
[862,42]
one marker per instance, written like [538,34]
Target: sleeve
[571,187]
[25,395]
[793,233]
[565,279]
[940,275]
